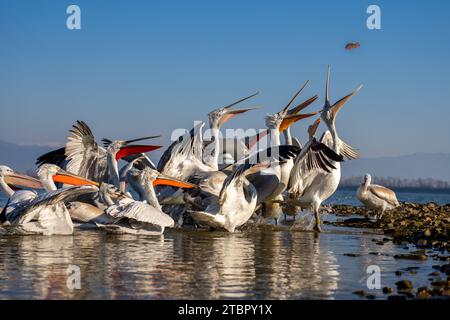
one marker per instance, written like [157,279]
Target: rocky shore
[427,226]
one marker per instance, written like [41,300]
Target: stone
[387,290]
[404,285]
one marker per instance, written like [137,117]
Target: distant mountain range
[415,166]
[20,158]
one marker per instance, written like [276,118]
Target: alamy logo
[374,279]
[74,277]
[73,21]
[374,20]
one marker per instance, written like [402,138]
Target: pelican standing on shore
[376,197]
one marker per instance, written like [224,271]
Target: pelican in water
[138,217]
[45,213]
[314,156]
[236,201]
[82,156]
[310,188]
[270,183]
[376,197]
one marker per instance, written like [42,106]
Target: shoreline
[426,226]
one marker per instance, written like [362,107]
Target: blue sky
[146,67]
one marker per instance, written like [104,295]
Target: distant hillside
[20,158]
[398,183]
[421,165]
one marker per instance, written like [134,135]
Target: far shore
[404,189]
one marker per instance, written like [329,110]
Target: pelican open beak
[17,179]
[232,113]
[169,181]
[302,106]
[338,105]
[289,120]
[72,179]
[129,150]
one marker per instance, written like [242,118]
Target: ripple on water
[257,264]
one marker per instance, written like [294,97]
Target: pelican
[313,187]
[44,214]
[236,202]
[376,197]
[271,182]
[84,157]
[139,217]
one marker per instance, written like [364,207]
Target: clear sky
[146,67]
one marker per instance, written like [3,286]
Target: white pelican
[139,217]
[376,197]
[236,202]
[312,187]
[43,214]
[82,156]
[271,182]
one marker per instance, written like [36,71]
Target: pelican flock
[216,184]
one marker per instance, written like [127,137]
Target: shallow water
[264,263]
[258,264]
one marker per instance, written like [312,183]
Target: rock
[411,256]
[423,293]
[387,290]
[398,273]
[446,293]
[404,285]
[352,254]
[359,292]
[422,243]
[439,283]
[427,233]
[434,274]
[371,297]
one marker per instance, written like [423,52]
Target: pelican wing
[26,210]
[385,194]
[85,157]
[346,150]
[315,156]
[205,218]
[141,212]
[272,154]
[190,145]
[57,157]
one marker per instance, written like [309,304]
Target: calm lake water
[264,263]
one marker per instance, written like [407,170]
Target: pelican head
[367,178]
[120,148]
[329,112]
[151,177]
[11,177]
[285,118]
[49,173]
[282,120]
[221,115]
[5,171]
[312,129]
